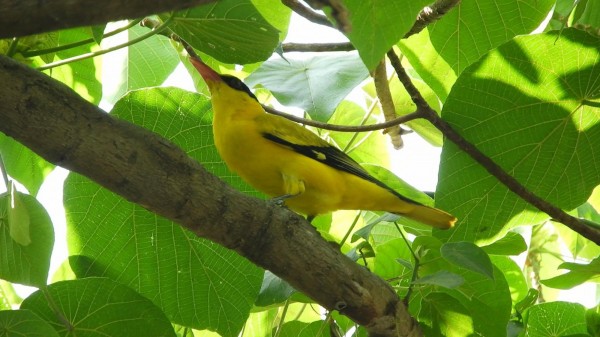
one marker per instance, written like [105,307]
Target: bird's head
[214,80]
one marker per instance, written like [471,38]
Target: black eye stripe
[237,84]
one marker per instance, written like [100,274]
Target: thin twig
[486,162]
[345,128]
[3,172]
[317,47]
[37,52]
[307,12]
[431,14]
[382,88]
[151,23]
[163,26]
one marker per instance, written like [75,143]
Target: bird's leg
[279,201]
[292,186]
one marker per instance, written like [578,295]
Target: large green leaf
[24,165]
[81,76]
[556,319]
[98,307]
[531,106]
[147,63]
[428,63]
[26,263]
[232,31]
[24,323]
[469,31]
[316,84]
[197,283]
[377,25]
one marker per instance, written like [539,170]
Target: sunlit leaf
[98,307]
[523,105]
[316,84]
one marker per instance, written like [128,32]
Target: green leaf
[147,63]
[274,290]
[259,323]
[18,217]
[364,147]
[428,63]
[556,319]
[443,315]
[442,278]
[526,302]
[385,262]
[467,32]
[511,244]
[589,17]
[276,13]
[98,307]
[580,246]
[26,264]
[24,323]
[301,329]
[82,76]
[467,255]
[97,32]
[538,129]
[232,31]
[592,317]
[23,164]
[8,296]
[578,274]
[404,105]
[316,84]
[197,283]
[487,300]
[514,276]
[378,25]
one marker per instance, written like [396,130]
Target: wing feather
[306,143]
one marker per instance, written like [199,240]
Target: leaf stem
[39,52]
[486,162]
[4,174]
[12,48]
[282,319]
[59,313]
[158,29]
[350,228]
[415,268]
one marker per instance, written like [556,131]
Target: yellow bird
[287,161]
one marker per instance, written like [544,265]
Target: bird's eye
[237,84]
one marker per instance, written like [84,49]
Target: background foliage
[529,100]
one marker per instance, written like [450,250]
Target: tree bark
[143,167]
[27,17]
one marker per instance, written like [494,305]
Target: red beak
[208,74]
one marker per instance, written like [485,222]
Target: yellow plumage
[281,158]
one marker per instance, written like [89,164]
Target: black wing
[334,157]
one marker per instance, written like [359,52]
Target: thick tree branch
[486,162]
[53,121]
[27,17]
[317,47]
[307,12]
[430,14]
